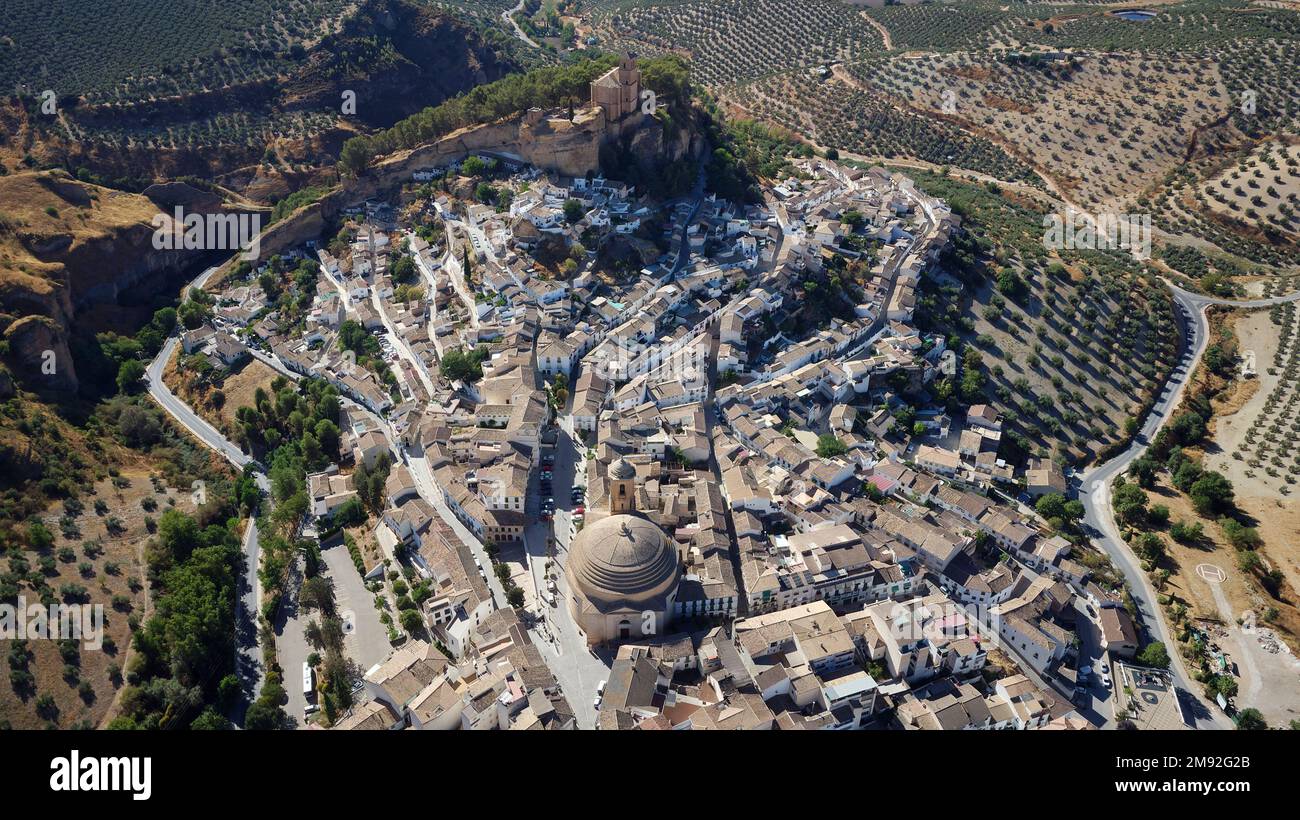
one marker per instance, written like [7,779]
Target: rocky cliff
[549,140]
[68,250]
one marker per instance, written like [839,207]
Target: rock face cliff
[68,251]
[39,354]
[398,57]
[549,140]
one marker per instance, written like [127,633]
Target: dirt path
[880,27]
[924,165]
[845,77]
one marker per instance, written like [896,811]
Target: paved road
[248,662]
[878,325]
[453,267]
[399,343]
[1095,484]
[509,18]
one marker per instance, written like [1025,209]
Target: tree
[458,365]
[1154,654]
[355,155]
[1051,505]
[1212,493]
[828,446]
[1185,533]
[411,620]
[573,210]
[129,375]
[1251,720]
[1010,283]
[211,720]
[193,314]
[139,427]
[1158,515]
[403,270]
[1130,503]
[516,597]
[1221,685]
[1149,546]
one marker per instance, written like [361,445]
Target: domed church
[622,570]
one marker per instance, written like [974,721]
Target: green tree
[1154,654]
[573,210]
[411,620]
[1251,720]
[129,375]
[1212,493]
[828,446]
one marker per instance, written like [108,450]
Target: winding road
[248,661]
[1094,489]
[509,17]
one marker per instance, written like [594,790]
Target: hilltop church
[618,91]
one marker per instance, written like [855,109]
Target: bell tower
[622,487]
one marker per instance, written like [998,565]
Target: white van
[308,680]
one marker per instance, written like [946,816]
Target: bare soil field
[1268,680]
[1266,498]
[237,389]
[104,554]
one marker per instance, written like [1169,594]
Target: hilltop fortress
[566,142]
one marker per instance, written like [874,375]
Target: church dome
[620,561]
[621,470]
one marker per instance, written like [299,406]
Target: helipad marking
[1211,573]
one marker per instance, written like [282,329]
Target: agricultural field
[731,41]
[1258,438]
[951,26]
[124,52]
[1107,114]
[80,507]
[97,556]
[269,90]
[1069,346]
[1077,120]
[1262,190]
[849,118]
